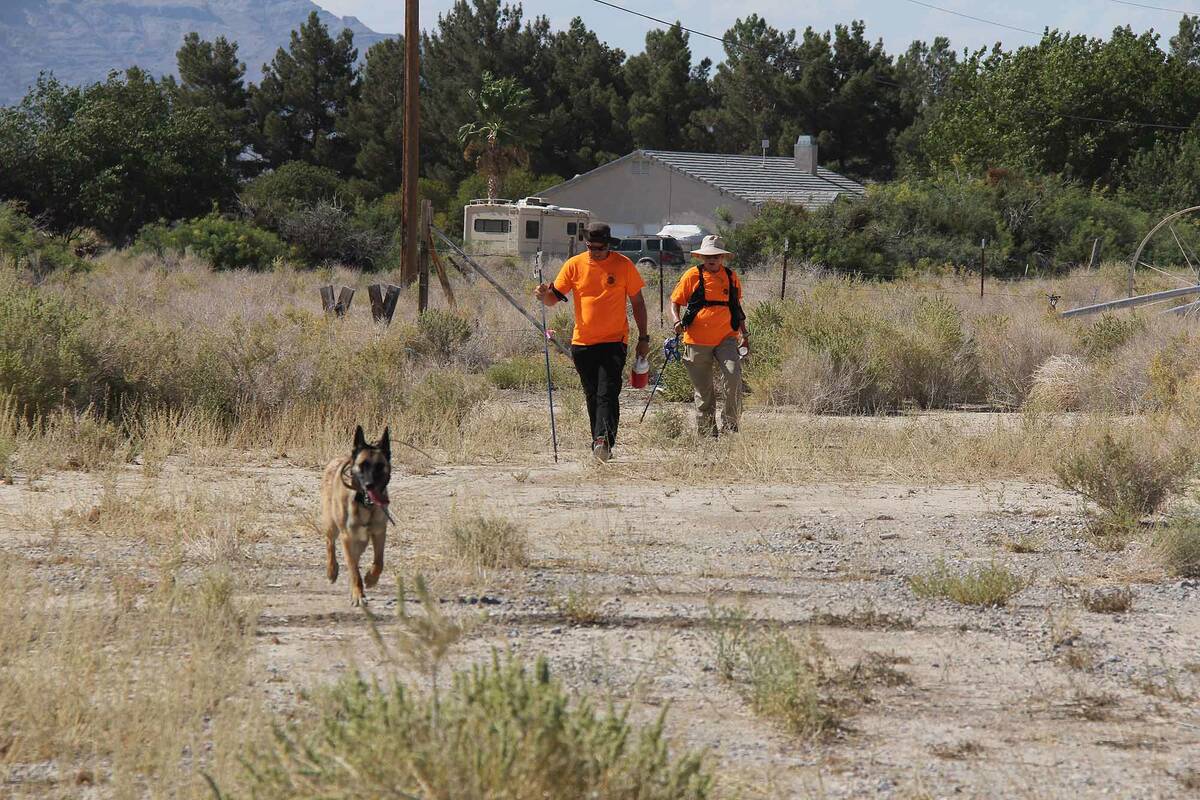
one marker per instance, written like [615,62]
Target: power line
[724,41]
[977,19]
[893,84]
[1156,8]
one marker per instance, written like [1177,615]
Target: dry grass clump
[1178,545]
[128,683]
[502,729]
[1110,600]
[1057,384]
[488,541]
[990,586]
[1127,476]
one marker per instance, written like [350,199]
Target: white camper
[521,228]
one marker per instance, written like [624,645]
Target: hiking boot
[600,449]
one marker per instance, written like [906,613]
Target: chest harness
[699,301]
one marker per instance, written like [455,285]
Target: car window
[630,244]
[653,245]
[672,244]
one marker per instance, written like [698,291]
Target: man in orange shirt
[709,297]
[600,281]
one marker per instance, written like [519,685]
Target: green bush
[294,183]
[528,372]
[27,245]
[1125,477]
[440,335]
[225,243]
[991,586]
[499,731]
[1178,545]
[44,358]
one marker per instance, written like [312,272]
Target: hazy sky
[897,22]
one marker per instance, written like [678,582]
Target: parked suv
[653,251]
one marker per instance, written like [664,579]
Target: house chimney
[806,154]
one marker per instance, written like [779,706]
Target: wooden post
[1095,253]
[375,293]
[787,243]
[423,256]
[443,278]
[661,291]
[327,301]
[982,264]
[389,302]
[412,134]
[345,297]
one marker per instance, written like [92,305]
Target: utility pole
[412,138]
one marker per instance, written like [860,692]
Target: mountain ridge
[81,41]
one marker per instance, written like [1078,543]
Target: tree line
[1115,115]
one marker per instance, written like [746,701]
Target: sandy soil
[987,705]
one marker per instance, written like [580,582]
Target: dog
[354,501]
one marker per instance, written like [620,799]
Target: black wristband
[644,338]
[562,297]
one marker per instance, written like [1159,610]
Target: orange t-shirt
[712,324]
[600,290]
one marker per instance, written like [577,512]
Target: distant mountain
[80,41]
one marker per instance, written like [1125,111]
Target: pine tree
[665,91]
[375,125]
[211,78]
[304,98]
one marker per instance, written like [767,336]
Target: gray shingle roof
[757,180]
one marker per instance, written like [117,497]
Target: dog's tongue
[378,498]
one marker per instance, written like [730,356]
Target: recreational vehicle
[521,228]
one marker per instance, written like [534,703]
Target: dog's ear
[360,441]
[385,443]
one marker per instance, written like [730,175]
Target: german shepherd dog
[354,501]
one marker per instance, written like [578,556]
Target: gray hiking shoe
[600,449]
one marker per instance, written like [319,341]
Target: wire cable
[1156,8]
[977,19]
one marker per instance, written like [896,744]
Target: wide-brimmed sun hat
[712,245]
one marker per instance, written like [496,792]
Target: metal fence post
[787,243]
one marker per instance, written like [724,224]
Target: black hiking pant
[601,369]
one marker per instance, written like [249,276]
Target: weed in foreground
[990,586]
[499,730]
[780,679]
[489,542]
[580,607]
[1178,546]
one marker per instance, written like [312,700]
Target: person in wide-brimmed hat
[706,307]
[600,282]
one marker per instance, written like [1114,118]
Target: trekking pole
[670,353]
[546,351]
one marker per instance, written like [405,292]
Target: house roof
[757,180]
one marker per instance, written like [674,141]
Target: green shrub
[1108,334]
[1126,477]
[44,358]
[440,334]
[489,542]
[528,373]
[991,586]
[27,245]
[499,731]
[224,243]
[294,183]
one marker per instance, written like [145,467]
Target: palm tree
[496,141]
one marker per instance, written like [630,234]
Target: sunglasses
[596,245]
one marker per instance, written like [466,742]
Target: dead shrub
[1109,600]
[990,586]
[1178,545]
[488,542]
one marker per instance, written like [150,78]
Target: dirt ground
[1041,699]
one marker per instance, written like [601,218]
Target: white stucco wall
[641,195]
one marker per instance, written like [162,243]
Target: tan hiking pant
[705,365]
